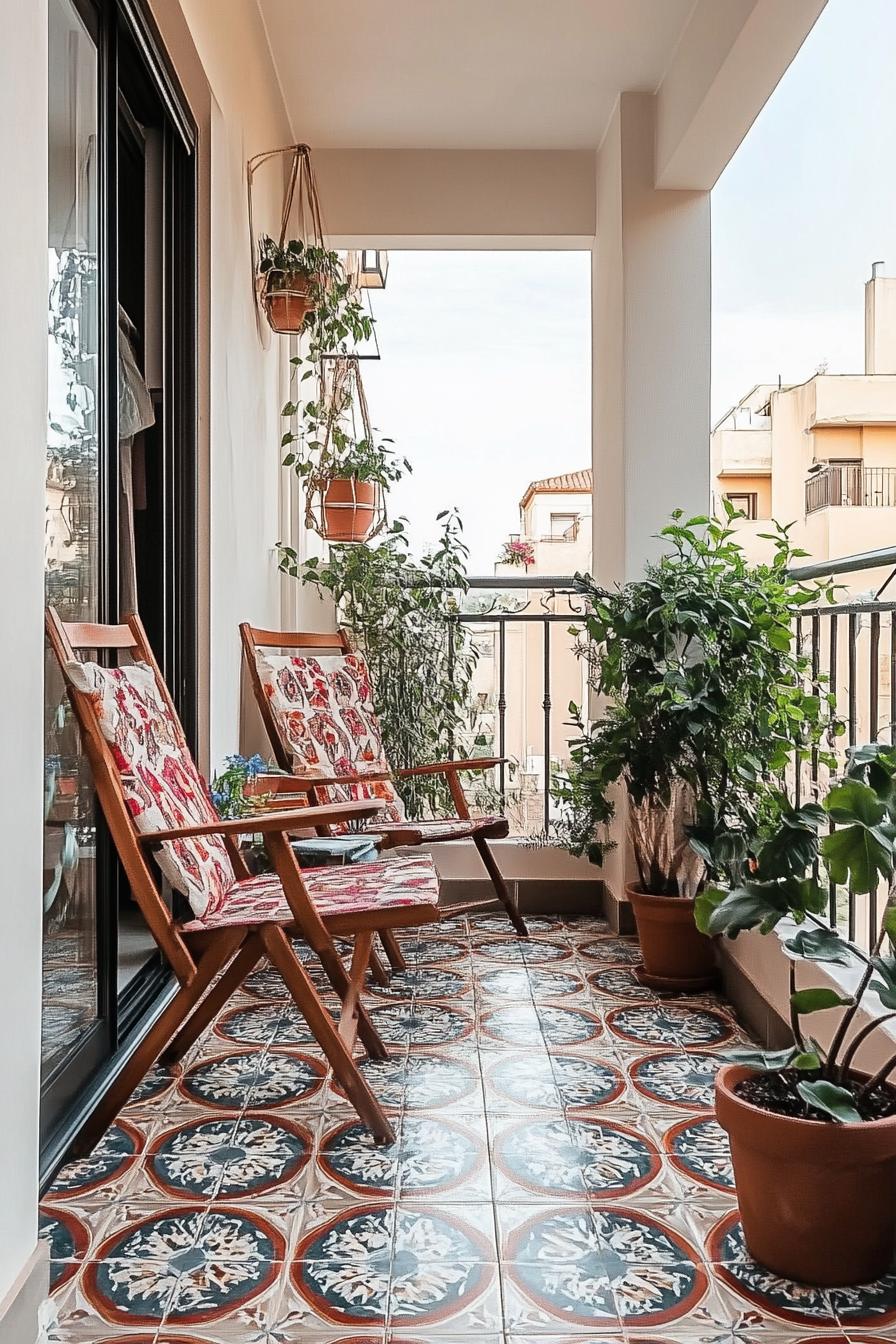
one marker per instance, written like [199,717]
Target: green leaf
[886,993]
[814,1000]
[852,801]
[762,1059]
[834,1101]
[806,1061]
[705,905]
[858,855]
[819,945]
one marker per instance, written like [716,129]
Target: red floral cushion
[345,890]
[161,784]
[323,708]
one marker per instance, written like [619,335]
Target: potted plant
[352,478]
[702,700]
[296,275]
[813,1137]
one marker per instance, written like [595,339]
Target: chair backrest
[145,775]
[316,701]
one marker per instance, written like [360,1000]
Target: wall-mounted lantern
[373,269]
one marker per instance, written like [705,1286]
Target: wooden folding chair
[318,712]
[155,802]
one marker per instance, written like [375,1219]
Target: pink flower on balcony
[517,553]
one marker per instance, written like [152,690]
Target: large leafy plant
[787,879]
[398,611]
[703,700]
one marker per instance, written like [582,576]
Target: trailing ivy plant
[319,438]
[398,612]
[787,878]
[703,701]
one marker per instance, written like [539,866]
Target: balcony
[851,486]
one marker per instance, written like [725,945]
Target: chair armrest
[308,783]
[261,822]
[447,767]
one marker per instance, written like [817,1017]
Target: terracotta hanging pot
[287,304]
[675,954]
[817,1200]
[349,509]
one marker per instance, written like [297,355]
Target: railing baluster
[874,675]
[851,677]
[546,705]
[893,676]
[502,710]
[454,631]
[797,755]
[832,682]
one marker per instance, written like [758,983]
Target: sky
[484,381]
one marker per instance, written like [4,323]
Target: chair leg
[161,1032]
[242,965]
[338,978]
[351,1003]
[500,885]
[378,973]
[346,1070]
[393,950]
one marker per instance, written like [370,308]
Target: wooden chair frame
[254,640]
[230,953]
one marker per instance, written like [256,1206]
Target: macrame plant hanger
[287,296]
[343,508]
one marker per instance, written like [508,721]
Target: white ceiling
[466,74]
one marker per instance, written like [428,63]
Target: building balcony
[841,486]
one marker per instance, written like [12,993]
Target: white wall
[458,198]
[23,395]
[221,55]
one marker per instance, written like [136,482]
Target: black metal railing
[848,484]
[506,707]
[851,646]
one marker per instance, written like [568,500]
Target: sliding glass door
[120,495]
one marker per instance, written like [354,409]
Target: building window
[745,502]
[564,526]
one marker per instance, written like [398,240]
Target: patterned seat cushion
[323,708]
[354,889]
[451,828]
[162,786]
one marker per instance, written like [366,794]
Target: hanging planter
[345,485]
[292,275]
[350,509]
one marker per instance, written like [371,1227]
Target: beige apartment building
[555,519]
[819,454]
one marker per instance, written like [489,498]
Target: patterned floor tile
[427,1081]
[512,951]
[551,1082]
[572,1157]
[421,1024]
[544,1024]
[557,1173]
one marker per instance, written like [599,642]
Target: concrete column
[651,368]
[651,347]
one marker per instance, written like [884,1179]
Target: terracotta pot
[676,955]
[287,308]
[818,1201]
[349,509]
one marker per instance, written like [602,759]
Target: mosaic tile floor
[557,1176]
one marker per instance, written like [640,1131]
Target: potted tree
[701,701]
[813,1137]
